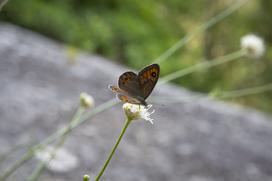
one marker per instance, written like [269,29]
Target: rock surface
[193,140]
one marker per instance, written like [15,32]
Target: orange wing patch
[123,98]
[128,99]
[151,74]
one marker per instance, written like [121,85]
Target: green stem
[222,95]
[128,121]
[202,66]
[5,156]
[27,156]
[245,92]
[200,29]
[79,121]
[3,3]
[37,172]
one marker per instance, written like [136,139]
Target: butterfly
[133,88]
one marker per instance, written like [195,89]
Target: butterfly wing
[125,98]
[117,90]
[123,95]
[148,77]
[128,82]
[135,88]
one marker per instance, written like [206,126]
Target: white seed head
[253,45]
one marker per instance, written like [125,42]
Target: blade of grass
[3,3]
[245,92]
[202,66]
[222,95]
[31,152]
[198,30]
[34,176]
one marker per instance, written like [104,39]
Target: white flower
[63,161]
[86,100]
[135,112]
[253,45]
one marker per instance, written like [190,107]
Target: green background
[134,33]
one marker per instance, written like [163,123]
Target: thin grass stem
[3,3]
[245,92]
[37,172]
[222,95]
[202,66]
[169,52]
[27,156]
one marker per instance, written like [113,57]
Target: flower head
[135,112]
[86,100]
[253,45]
[62,161]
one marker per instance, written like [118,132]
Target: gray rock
[195,139]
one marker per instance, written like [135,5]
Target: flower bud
[253,45]
[86,100]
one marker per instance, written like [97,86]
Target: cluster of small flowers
[135,112]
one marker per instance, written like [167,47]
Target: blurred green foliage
[136,32]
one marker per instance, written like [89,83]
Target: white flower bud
[86,100]
[253,45]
